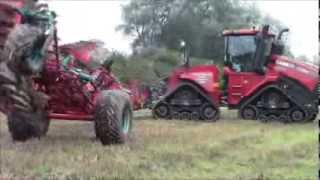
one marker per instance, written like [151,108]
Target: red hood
[306,74]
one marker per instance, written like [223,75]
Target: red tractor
[259,81]
[40,80]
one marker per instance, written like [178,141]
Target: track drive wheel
[113,117]
[297,115]
[209,113]
[249,113]
[161,111]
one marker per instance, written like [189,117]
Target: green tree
[200,23]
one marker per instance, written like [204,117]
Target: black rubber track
[310,113]
[109,113]
[176,115]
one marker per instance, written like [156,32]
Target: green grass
[159,149]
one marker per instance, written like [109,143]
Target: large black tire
[19,48]
[25,125]
[113,117]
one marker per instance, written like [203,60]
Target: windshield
[241,45]
[240,52]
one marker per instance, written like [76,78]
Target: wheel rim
[209,112]
[126,122]
[162,111]
[249,113]
[297,115]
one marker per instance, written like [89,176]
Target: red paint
[71,98]
[203,76]
[306,74]
[245,84]
[81,51]
[138,94]
[74,117]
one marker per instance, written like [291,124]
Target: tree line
[159,26]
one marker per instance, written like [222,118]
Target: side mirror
[281,33]
[278,46]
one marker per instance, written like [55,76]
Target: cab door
[239,83]
[244,53]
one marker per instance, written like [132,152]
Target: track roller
[162,110]
[297,115]
[195,115]
[249,113]
[208,112]
[278,103]
[188,102]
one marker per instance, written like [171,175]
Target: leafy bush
[147,66]
[150,64]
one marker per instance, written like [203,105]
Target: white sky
[301,17]
[84,20]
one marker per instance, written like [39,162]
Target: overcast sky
[301,16]
[84,20]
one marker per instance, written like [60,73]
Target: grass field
[159,149]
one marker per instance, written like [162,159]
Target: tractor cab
[247,55]
[247,50]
